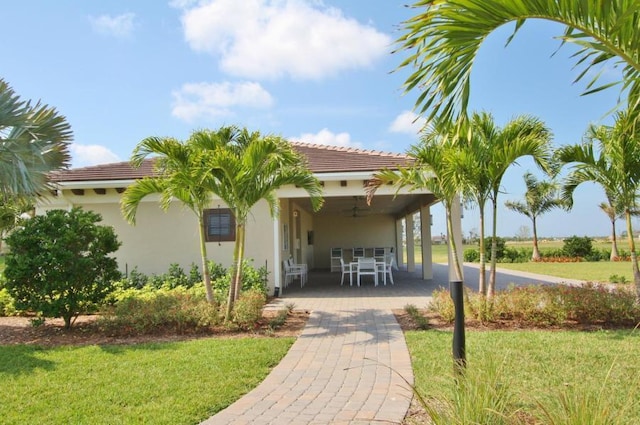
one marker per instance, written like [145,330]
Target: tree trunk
[614,243]
[236,278]
[536,251]
[452,245]
[494,250]
[206,276]
[482,278]
[634,256]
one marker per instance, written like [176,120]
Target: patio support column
[277,268]
[456,222]
[399,245]
[427,258]
[411,255]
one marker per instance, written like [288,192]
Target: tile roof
[320,158]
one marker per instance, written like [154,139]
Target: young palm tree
[540,197]
[239,167]
[609,157]
[433,170]
[502,147]
[33,142]
[443,40]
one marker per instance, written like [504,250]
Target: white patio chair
[367,267]
[292,272]
[346,268]
[388,270]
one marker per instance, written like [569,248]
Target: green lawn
[537,366]
[162,383]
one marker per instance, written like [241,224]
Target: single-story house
[345,221]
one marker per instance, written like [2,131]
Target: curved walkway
[349,364]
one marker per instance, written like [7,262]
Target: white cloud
[120,26]
[213,100]
[273,38]
[84,155]
[407,122]
[326,137]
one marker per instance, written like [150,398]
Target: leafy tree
[434,170]
[610,157]
[540,197]
[59,263]
[238,166]
[33,142]
[444,38]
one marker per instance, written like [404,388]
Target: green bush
[7,305]
[578,246]
[59,264]
[148,309]
[252,278]
[501,245]
[471,255]
[247,310]
[516,255]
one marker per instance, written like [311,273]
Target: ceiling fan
[356,211]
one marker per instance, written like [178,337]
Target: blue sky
[314,71]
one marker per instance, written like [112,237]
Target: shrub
[59,264]
[247,310]
[147,310]
[421,321]
[501,244]
[577,246]
[442,304]
[7,305]
[252,278]
[614,278]
[546,306]
[471,255]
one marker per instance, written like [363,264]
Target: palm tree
[239,167]
[612,209]
[610,157]
[181,169]
[247,167]
[502,147]
[33,142]
[540,197]
[443,40]
[432,169]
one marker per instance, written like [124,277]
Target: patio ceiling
[397,206]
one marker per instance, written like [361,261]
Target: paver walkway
[341,369]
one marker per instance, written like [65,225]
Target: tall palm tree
[181,169]
[238,166]
[433,170]
[504,146]
[540,197]
[443,40]
[248,167]
[610,157]
[33,142]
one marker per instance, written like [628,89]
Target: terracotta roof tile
[321,159]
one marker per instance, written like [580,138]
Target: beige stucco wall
[160,238]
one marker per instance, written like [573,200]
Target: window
[220,225]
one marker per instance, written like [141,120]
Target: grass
[538,367]
[599,271]
[158,383]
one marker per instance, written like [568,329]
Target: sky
[315,71]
